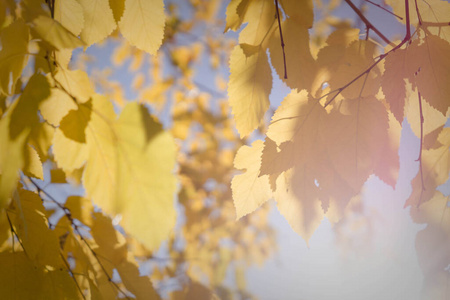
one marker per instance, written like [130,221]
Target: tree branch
[367,22]
[381,7]
[68,215]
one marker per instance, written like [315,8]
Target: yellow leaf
[57,176]
[12,158]
[358,58]
[233,20]
[69,14]
[298,201]
[296,161]
[56,107]
[98,21]
[142,24]
[55,34]
[15,128]
[40,138]
[249,87]
[393,82]
[436,11]
[435,170]
[117,7]
[129,170]
[81,209]
[21,279]
[433,119]
[33,165]
[354,137]
[140,286]
[250,190]
[76,83]
[39,241]
[260,15]
[299,10]
[387,168]
[300,65]
[112,246]
[435,211]
[429,65]
[13,57]
[69,154]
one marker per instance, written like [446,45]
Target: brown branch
[408,22]
[381,57]
[383,8]
[367,22]
[281,38]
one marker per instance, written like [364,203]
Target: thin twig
[281,38]
[15,233]
[380,58]
[385,9]
[76,228]
[419,159]
[367,22]
[419,17]
[71,274]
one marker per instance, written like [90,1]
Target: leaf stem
[281,38]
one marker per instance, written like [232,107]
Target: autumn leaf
[129,169]
[393,82]
[98,21]
[301,67]
[429,67]
[260,16]
[55,34]
[250,190]
[355,136]
[13,58]
[70,15]
[142,24]
[249,87]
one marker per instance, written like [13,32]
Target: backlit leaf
[429,68]
[249,87]
[98,21]
[13,57]
[55,34]
[129,170]
[250,190]
[69,13]
[142,24]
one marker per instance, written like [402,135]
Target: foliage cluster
[64,123]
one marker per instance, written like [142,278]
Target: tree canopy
[124,172]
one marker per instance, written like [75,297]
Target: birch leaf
[249,87]
[250,190]
[13,57]
[69,13]
[98,21]
[429,69]
[129,170]
[142,24]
